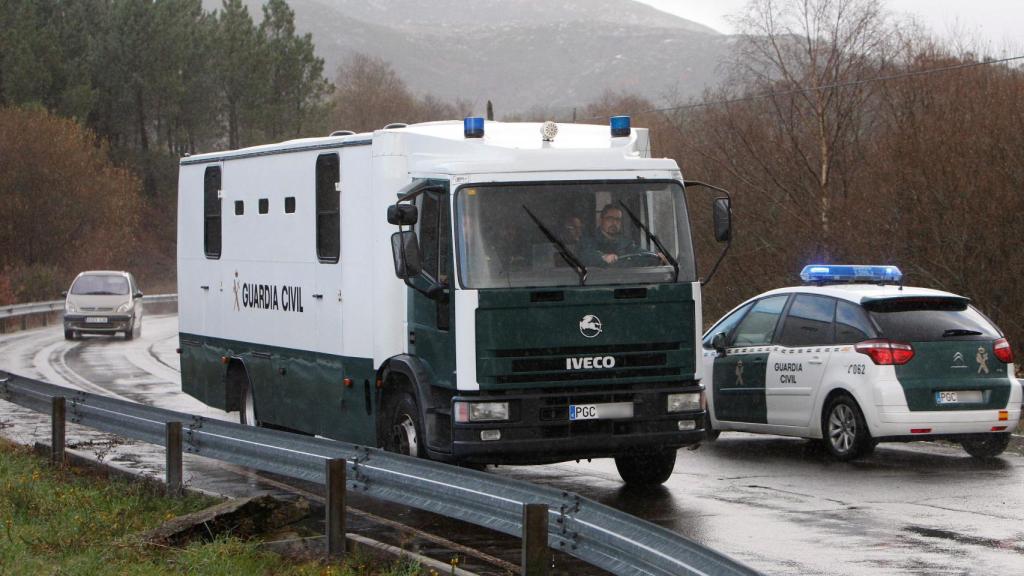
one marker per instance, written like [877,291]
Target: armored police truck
[546,305]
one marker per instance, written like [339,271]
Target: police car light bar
[833,273]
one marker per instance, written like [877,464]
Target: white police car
[855,358]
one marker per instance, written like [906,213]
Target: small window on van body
[239,207]
[211,212]
[809,321]
[264,206]
[328,208]
[289,205]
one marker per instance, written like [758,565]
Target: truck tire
[404,431]
[844,431]
[985,446]
[650,469]
[246,402]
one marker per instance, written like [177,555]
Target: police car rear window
[929,320]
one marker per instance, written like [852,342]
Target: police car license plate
[958,397]
[600,411]
[96,320]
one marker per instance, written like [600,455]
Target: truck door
[739,376]
[431,320]
[797,364]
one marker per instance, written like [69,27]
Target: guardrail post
[173,445]
[57,436]
[536,554]
[335,507]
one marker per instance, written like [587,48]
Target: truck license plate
[96,320]
[600,411]
[958,397]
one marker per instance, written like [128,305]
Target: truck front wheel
[646,469]
[404,434]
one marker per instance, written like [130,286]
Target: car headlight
[124,307]
[481,411]
[683,402]
[69,307]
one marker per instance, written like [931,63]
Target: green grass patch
[72,521]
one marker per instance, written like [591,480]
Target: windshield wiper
[564,252]
[651,237]
[960,332]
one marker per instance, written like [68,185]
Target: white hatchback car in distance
[103,302]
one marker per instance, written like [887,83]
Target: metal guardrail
[45,309]
[597,534]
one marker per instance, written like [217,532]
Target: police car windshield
[928,320]
[499,245]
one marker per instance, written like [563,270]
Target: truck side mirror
[718,343]
[403,214]
[405,249]
[723,219]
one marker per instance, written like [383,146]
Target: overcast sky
[1000,23]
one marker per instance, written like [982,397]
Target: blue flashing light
[836,273]
[473,127]
[620,126]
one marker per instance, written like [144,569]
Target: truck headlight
[481,411]
[124,307]
[683,402]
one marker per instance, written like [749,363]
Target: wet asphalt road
[779,505]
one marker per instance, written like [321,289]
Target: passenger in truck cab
[608,243]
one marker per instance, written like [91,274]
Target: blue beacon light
[822,273]
[473,127]
[620,126]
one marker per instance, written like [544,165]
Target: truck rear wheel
[649,469]
[985,446]
[404,433]
[247,403]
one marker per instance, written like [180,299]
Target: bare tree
[810,56]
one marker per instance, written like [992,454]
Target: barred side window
[211,212]
[328,208]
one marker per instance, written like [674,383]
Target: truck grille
[565,364]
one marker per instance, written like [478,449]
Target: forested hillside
[844,135]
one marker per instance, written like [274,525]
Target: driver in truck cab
[608,243]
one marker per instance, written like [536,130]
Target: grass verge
[71,521]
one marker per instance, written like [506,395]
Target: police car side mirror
[718,342]
[723,219]
[405,249]
[403,214]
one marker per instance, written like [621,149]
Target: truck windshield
[501,246]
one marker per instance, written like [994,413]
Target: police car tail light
[1003,351]
[886,352]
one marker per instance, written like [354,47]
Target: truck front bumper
[540,431]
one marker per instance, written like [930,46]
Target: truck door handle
[815,360]
[205,287]
[318,296]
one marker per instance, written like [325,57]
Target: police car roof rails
[822,274]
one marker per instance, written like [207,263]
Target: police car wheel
[404,434]
[646,469]
[710,434]
[845,432]
[985,446]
